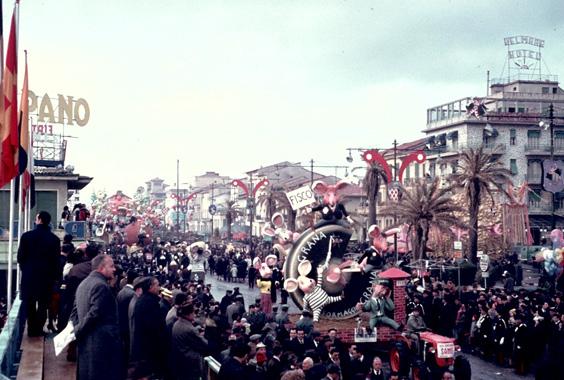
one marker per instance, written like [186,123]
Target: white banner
[301,197]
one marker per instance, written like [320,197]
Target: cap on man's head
[333,368]
[284,307]
[255,337]
[138,282]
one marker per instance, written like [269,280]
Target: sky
[230,86]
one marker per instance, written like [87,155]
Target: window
[407,175]
[558,140]
[512,136]
[545,90]
[534,171]
[513,166]
[554,90]
[416,170]
[521,109]
[454,165]
[511,109]
[455,142]
[533,138]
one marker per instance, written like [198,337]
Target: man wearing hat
[305,323]
[378,305]
[508,283]
[188,346]
[226,301]
[123,300]
[282,317]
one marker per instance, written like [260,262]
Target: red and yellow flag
[9,135]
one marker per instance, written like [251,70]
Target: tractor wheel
[400,358]
[419,371]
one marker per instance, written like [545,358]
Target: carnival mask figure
[332,211]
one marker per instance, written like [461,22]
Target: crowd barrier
[211,368]
[10,340]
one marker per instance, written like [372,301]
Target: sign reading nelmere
[69,110]
[301,197]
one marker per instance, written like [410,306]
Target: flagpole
[20,209]
[10,247]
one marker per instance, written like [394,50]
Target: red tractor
[427,355]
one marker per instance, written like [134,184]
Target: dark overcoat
[95,319]
[188,349]
[38,256]
[148,334]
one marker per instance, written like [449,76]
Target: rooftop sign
[527,40]
[67,111]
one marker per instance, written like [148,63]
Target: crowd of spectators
[169,320]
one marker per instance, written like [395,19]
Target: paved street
[219,287]
[485,370]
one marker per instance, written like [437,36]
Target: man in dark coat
[148,341]
[236,366]
[38,256]
[188,346]
[123,299]
[96,327]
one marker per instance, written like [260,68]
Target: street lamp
[250,203]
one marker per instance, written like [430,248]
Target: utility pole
[395,215]
[251,206]
[311,162]
[211,213]
[551,118]
[178,198]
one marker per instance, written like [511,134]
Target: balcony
[449,150]
[534,148]
[539,208]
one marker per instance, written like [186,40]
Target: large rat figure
[373,258]
[286,238]
[264,282]
[332,211]
[315,297]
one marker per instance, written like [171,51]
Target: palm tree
[274,199]
[425,205]
[478,173]
[231,213]
[371,185]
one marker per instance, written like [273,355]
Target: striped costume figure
[318,298]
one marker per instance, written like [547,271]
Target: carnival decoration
[403,239]
[515,216]
[379,305]
[338,273]
[264,282]
[332,211]
[553,180]
[198,261]
[373,257]
[476,108]
[285,237]
[553,259]
[315,297]
[417,156]
[372,157]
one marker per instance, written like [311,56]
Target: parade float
[355,291]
